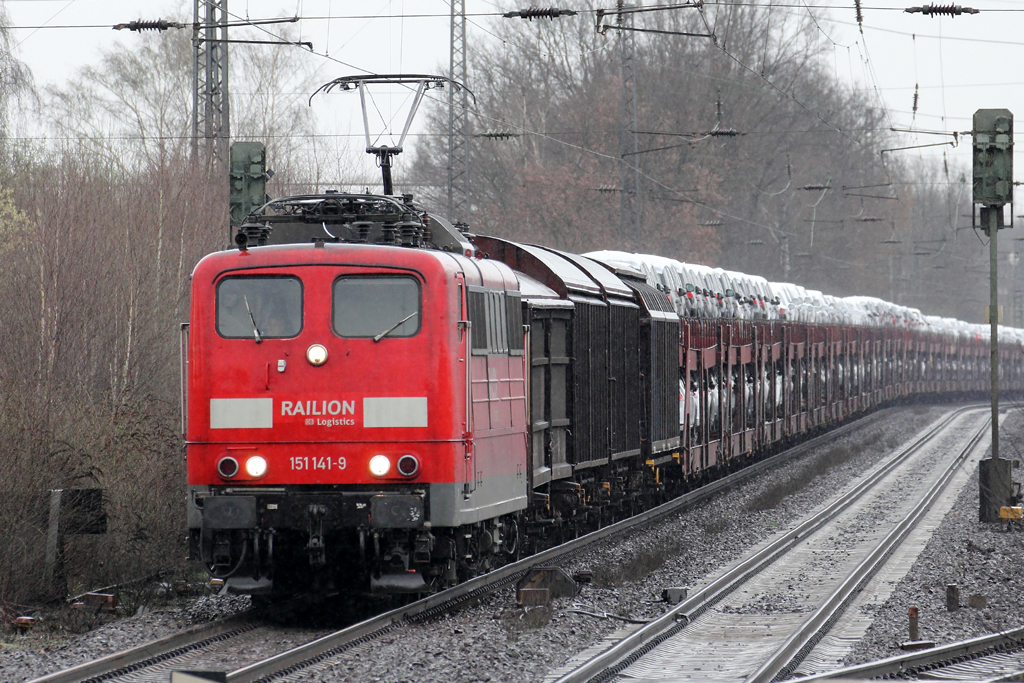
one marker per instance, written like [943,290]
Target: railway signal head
[248,171]
[993,157]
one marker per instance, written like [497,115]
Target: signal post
[992,138]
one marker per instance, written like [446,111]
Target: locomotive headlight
[316,354]
[380,465]
[408,465]
[227,467]
[256,466]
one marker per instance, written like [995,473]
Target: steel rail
[195,637]
[156,651]
[931,659]
[616,658]
[335,643]
[789,655]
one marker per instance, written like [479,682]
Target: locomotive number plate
[305,462]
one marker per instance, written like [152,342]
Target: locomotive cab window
[261,307]
[376,307]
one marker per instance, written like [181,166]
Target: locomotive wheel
[514,540]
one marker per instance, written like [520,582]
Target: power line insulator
[941,10]
[498,135]
[140,25]
[540,13]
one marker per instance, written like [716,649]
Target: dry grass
[637,567]
[836,456]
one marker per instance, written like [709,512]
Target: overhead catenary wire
[331,17]
[834,128]
[484,13]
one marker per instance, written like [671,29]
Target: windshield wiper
[255,330]
[394,327]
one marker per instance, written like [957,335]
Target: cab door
[465,351]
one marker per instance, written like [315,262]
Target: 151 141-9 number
[305,462]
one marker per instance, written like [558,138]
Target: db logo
[310,421]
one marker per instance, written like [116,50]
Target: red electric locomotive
[377,400]
[356,408]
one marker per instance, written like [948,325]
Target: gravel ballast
[983,560]
[41,652]
[495,640]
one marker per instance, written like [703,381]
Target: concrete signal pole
[993,189]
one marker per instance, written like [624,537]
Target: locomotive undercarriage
[290,540]
[595,498]
[294,540]
[282,542]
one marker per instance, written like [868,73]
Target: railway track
[189,647]
[152,654]
[998,656]
[757,626]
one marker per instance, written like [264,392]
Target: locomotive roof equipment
[353,218]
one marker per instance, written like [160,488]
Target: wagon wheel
[514,540]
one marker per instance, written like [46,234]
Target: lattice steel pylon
[458,119]
[628,141]
[211,120]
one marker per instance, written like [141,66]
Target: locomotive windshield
[259,307]
[376,307]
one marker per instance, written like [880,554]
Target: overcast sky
[960,64]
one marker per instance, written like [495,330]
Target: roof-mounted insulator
[498,135]
[941,10]
[540,13]
[140,25]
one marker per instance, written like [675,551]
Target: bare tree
[133,108]
[15,78]
[270,88]
[729,131]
